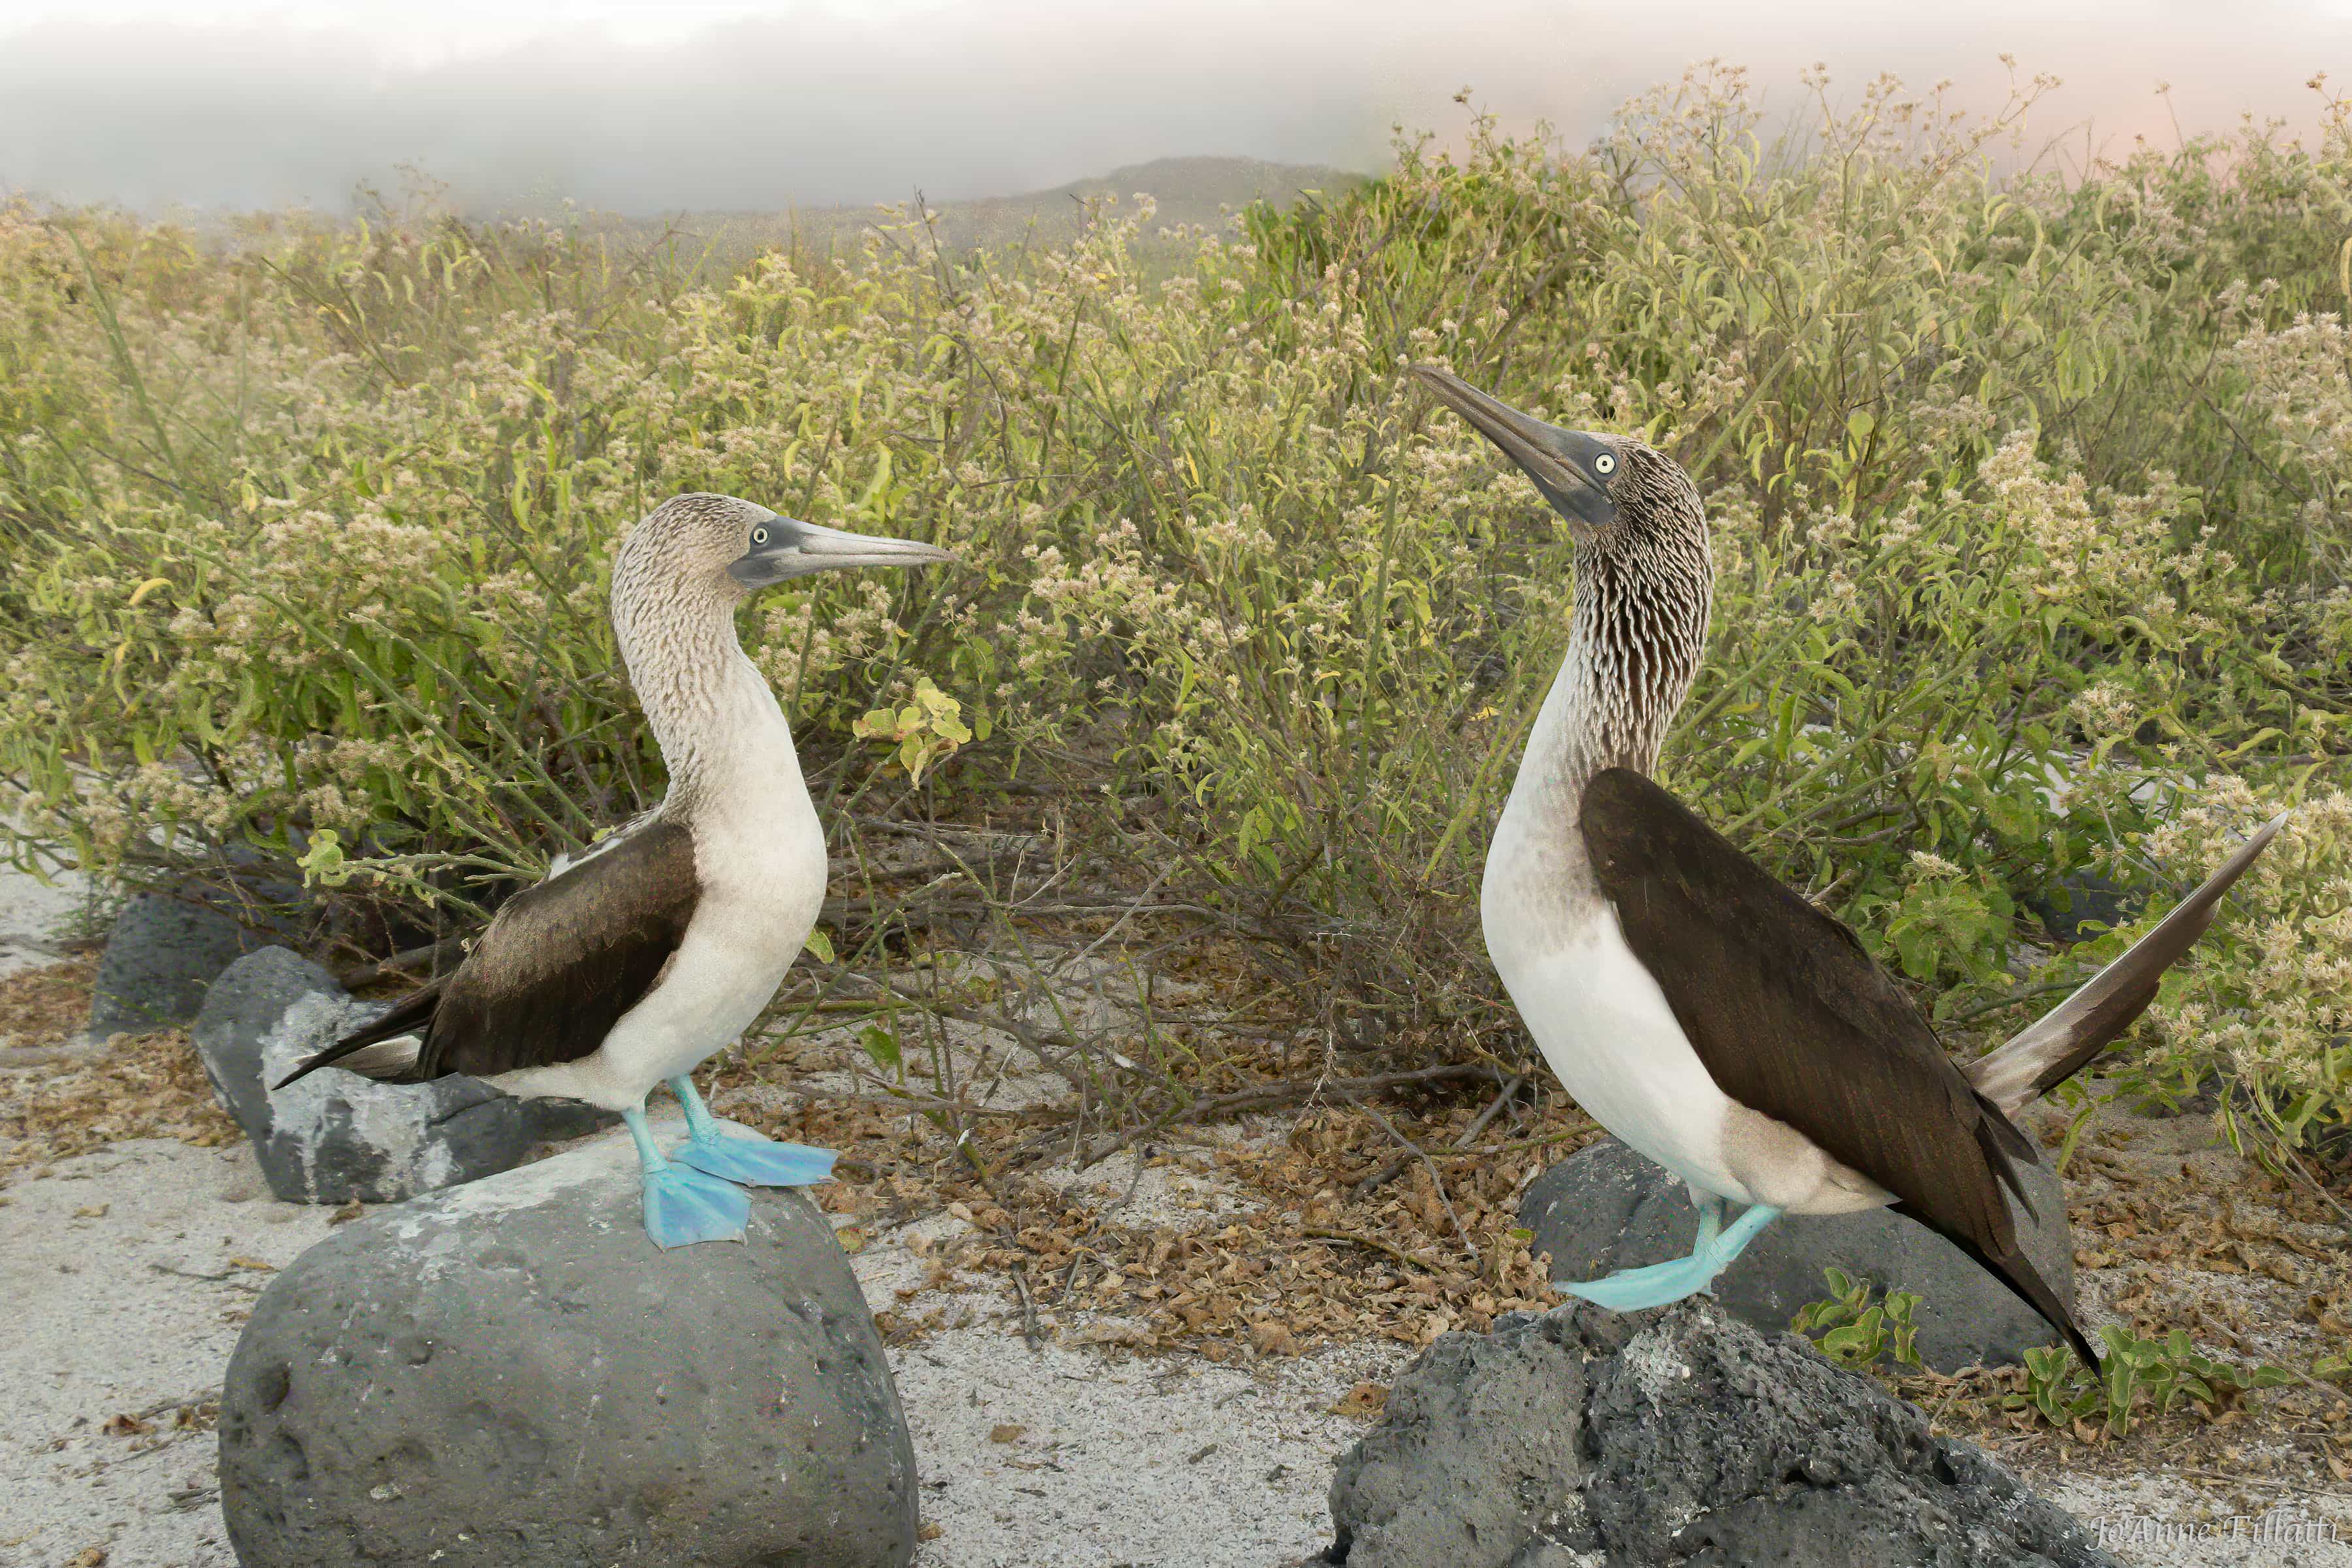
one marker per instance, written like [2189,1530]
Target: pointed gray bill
[785,548]
[1571,468]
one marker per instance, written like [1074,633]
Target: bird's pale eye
[758,536]
[1605,464]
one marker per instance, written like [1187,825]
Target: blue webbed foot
[1631,1290]
[755,1162]
[685,1206]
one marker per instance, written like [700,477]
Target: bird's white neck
[722,735]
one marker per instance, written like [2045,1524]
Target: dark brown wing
[1793,1018]
[559,966]
[561,962]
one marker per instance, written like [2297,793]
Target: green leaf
[322,864]
[880,1044]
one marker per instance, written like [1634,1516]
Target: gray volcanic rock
[335,1136]
[511,1374]
[2080,897]
[159,959]
[1605,1208]
[1678,1437]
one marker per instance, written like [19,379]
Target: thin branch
[1389,1172]
[1468,1245]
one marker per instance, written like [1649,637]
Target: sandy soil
[2159,1522]
[33,917]
[130,1271]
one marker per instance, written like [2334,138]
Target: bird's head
[737,547]
[1614,492]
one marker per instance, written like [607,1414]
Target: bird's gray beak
[794,548]
[1571,468]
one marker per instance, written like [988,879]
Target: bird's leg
[1710,1214]
[754,1161]
[1629,1289]
[683,1207]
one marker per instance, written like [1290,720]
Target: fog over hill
[1201,192]
[643,107]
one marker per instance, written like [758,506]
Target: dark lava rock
[1589,1440]
[1605,1208]
[511,1374]
[336,1136]
[2081,897]
[162,956]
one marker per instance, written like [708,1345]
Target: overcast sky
[691,104]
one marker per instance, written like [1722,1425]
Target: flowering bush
[2029,497]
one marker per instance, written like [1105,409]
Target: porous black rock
[1678,1437]
[1605,1208]
[161,958]
[334,1137]
[2082,899]
[510,1374]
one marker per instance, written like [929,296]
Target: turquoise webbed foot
[756,1162]
[1631,1290]
[684,1207]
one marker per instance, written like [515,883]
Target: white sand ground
[123,1270]
[124,1273]
[34,915]
[2160,1522]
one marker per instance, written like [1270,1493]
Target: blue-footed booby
[633,962]
[1710,1017]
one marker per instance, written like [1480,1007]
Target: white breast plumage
[1606,1030]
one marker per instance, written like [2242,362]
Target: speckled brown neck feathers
[1643,591]
[674,615]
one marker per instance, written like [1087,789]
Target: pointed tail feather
[2013,1269]
[411,1014]
[2064,1041]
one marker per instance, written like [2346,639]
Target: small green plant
[1853,1330]
[924,731]
[2065,1391]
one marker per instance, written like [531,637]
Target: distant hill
[1190,191]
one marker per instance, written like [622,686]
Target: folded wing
[1792,1019]
[559,966]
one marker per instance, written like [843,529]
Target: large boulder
[1586,1440]
[1605,1208]
[335,1136]
[2082,899]
[159,959]
[510,1374]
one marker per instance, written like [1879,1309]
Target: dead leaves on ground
[1277,1257]
[45,1006]
[2251,1266]
[144,1086]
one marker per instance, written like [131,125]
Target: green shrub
[1853,1330]
[2029,498]
[2062,1391]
